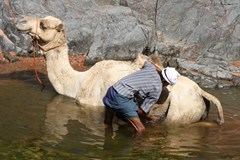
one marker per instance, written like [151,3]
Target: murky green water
[37,124]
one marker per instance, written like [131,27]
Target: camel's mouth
[28,31]
[23,28]
[24,31]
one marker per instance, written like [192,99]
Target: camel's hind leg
[217,103]
[205,114]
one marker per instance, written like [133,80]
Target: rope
[34,44]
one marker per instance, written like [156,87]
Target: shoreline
[26,64]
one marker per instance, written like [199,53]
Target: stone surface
[199,37]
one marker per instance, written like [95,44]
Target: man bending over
[147,84]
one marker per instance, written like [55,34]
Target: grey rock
[6,45]
[200,38]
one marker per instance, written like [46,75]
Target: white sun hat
[170,75]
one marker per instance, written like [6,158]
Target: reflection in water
[173,140]
[203,140]
[39,124]
[62,110]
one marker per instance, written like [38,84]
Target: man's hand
[151,119]
[141,112]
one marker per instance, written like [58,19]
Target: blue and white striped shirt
[146,81]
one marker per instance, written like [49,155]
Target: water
[37,124]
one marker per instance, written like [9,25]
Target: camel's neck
[63,77]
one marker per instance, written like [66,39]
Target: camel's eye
[42,26]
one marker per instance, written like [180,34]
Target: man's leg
[137,124]
[109,113]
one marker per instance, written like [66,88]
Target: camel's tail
[215,101]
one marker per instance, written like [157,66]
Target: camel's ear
[59,28]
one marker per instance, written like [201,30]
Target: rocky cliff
[199,37]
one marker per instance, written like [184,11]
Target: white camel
[186,103]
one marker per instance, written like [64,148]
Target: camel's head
[43,30]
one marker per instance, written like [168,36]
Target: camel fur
[185,104]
